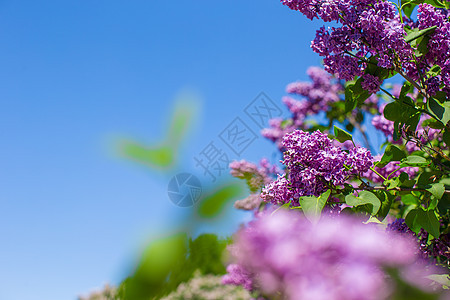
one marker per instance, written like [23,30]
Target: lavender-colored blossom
[313,163]
[250,203]
[360,160]
[381,123]
[368,28]
[439,42]
[370,83]
[317,95]
[236,275]
[338,258]
[437,248]
[254,176]
[205,287]
[278,128]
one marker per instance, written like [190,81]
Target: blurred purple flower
[338,258]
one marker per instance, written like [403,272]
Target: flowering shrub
[338,220]
[328,248]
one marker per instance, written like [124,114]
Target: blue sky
[76,76]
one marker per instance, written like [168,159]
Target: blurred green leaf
[173,260]
[158,157]
[213,204]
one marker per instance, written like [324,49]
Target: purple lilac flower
[368,28]
[317,95]
[237,276]
[439,43]
[250,203]
[277,130]
[371,83]
[338,258]
[439,247]
[381,123]
[254,176]
[313,163]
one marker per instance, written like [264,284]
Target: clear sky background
[75,77]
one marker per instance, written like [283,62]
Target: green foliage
[419,218]
[312,206]
[213,203]
[392,153]
[342,135]
[354,94]
[164,154]
[440,111]
[416,33]
[364,197]
[170,261]
[414,161]
[386,199]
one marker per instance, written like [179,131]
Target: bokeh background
[78,78]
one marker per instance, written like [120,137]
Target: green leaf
[342,135]
[213,203]
[416,34]
[350,100]
[440,111]
[354,95]
[392,153]
[418,218]
[437,190]
[408,7]
[414,161]
[312,206]
[434,71]
[432,123]
[442,279]
[410,199]
[446,137]
[365,197]
[392,183]
[405,181]
[444,205]
[386,199]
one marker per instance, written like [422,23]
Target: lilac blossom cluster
[369,28]
[314,165]
[205,287]
[317,96]
[438,45]
[372,31]
[255,177]
[438,247]
[284,254]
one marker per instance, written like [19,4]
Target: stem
[394,172]
[352,121]
[375,171]
[382,188]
